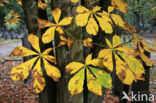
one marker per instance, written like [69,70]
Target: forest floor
[16,92]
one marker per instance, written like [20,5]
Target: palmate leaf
[21,71]
[143,45]
[96,78]
[130,67]
[120,5]
[50,33]
[87,17]
[106,19]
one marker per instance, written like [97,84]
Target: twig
[6,60]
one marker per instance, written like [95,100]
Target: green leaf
[133,63]
[102,77]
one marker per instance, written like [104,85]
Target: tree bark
[31,14]
[137,22]
[64,55]
[100,39]
[142,87]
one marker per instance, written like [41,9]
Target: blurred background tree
[142,14]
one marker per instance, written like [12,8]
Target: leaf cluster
[127,66]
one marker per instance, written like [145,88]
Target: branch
[6,60]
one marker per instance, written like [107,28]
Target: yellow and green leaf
[102,77]
[75,84]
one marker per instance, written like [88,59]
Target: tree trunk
[142,87]
[31,14]
[100,39]
[64,55]
[137,22]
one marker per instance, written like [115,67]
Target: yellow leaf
[128,50]
[22,51]
[92,27]
[75,85]
[63,38]
[130,28]
[82,19]
[104,13]
[39,81]
[96,8]
[52,71]
[59,30]
[123,72]
[133,64]
[82,9]
[109,43]
[62,43]
[146,59]
[110,9]
[74,1]
[65,21]
[106,54]
[88,59]
[93,84]
[56,14]
[34,41]
[120,5]
[73,67]
[43,23]
[150,49]
[88,42]
[21,71]
[50,58]
[105,26]
[118,20]
[48,35]
[129,77]
[47,51]
[65,41]
[69,42]
[116,40]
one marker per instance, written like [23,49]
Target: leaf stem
[98,44]
[68,33]
[94,2]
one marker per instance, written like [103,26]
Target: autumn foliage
[128,65]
